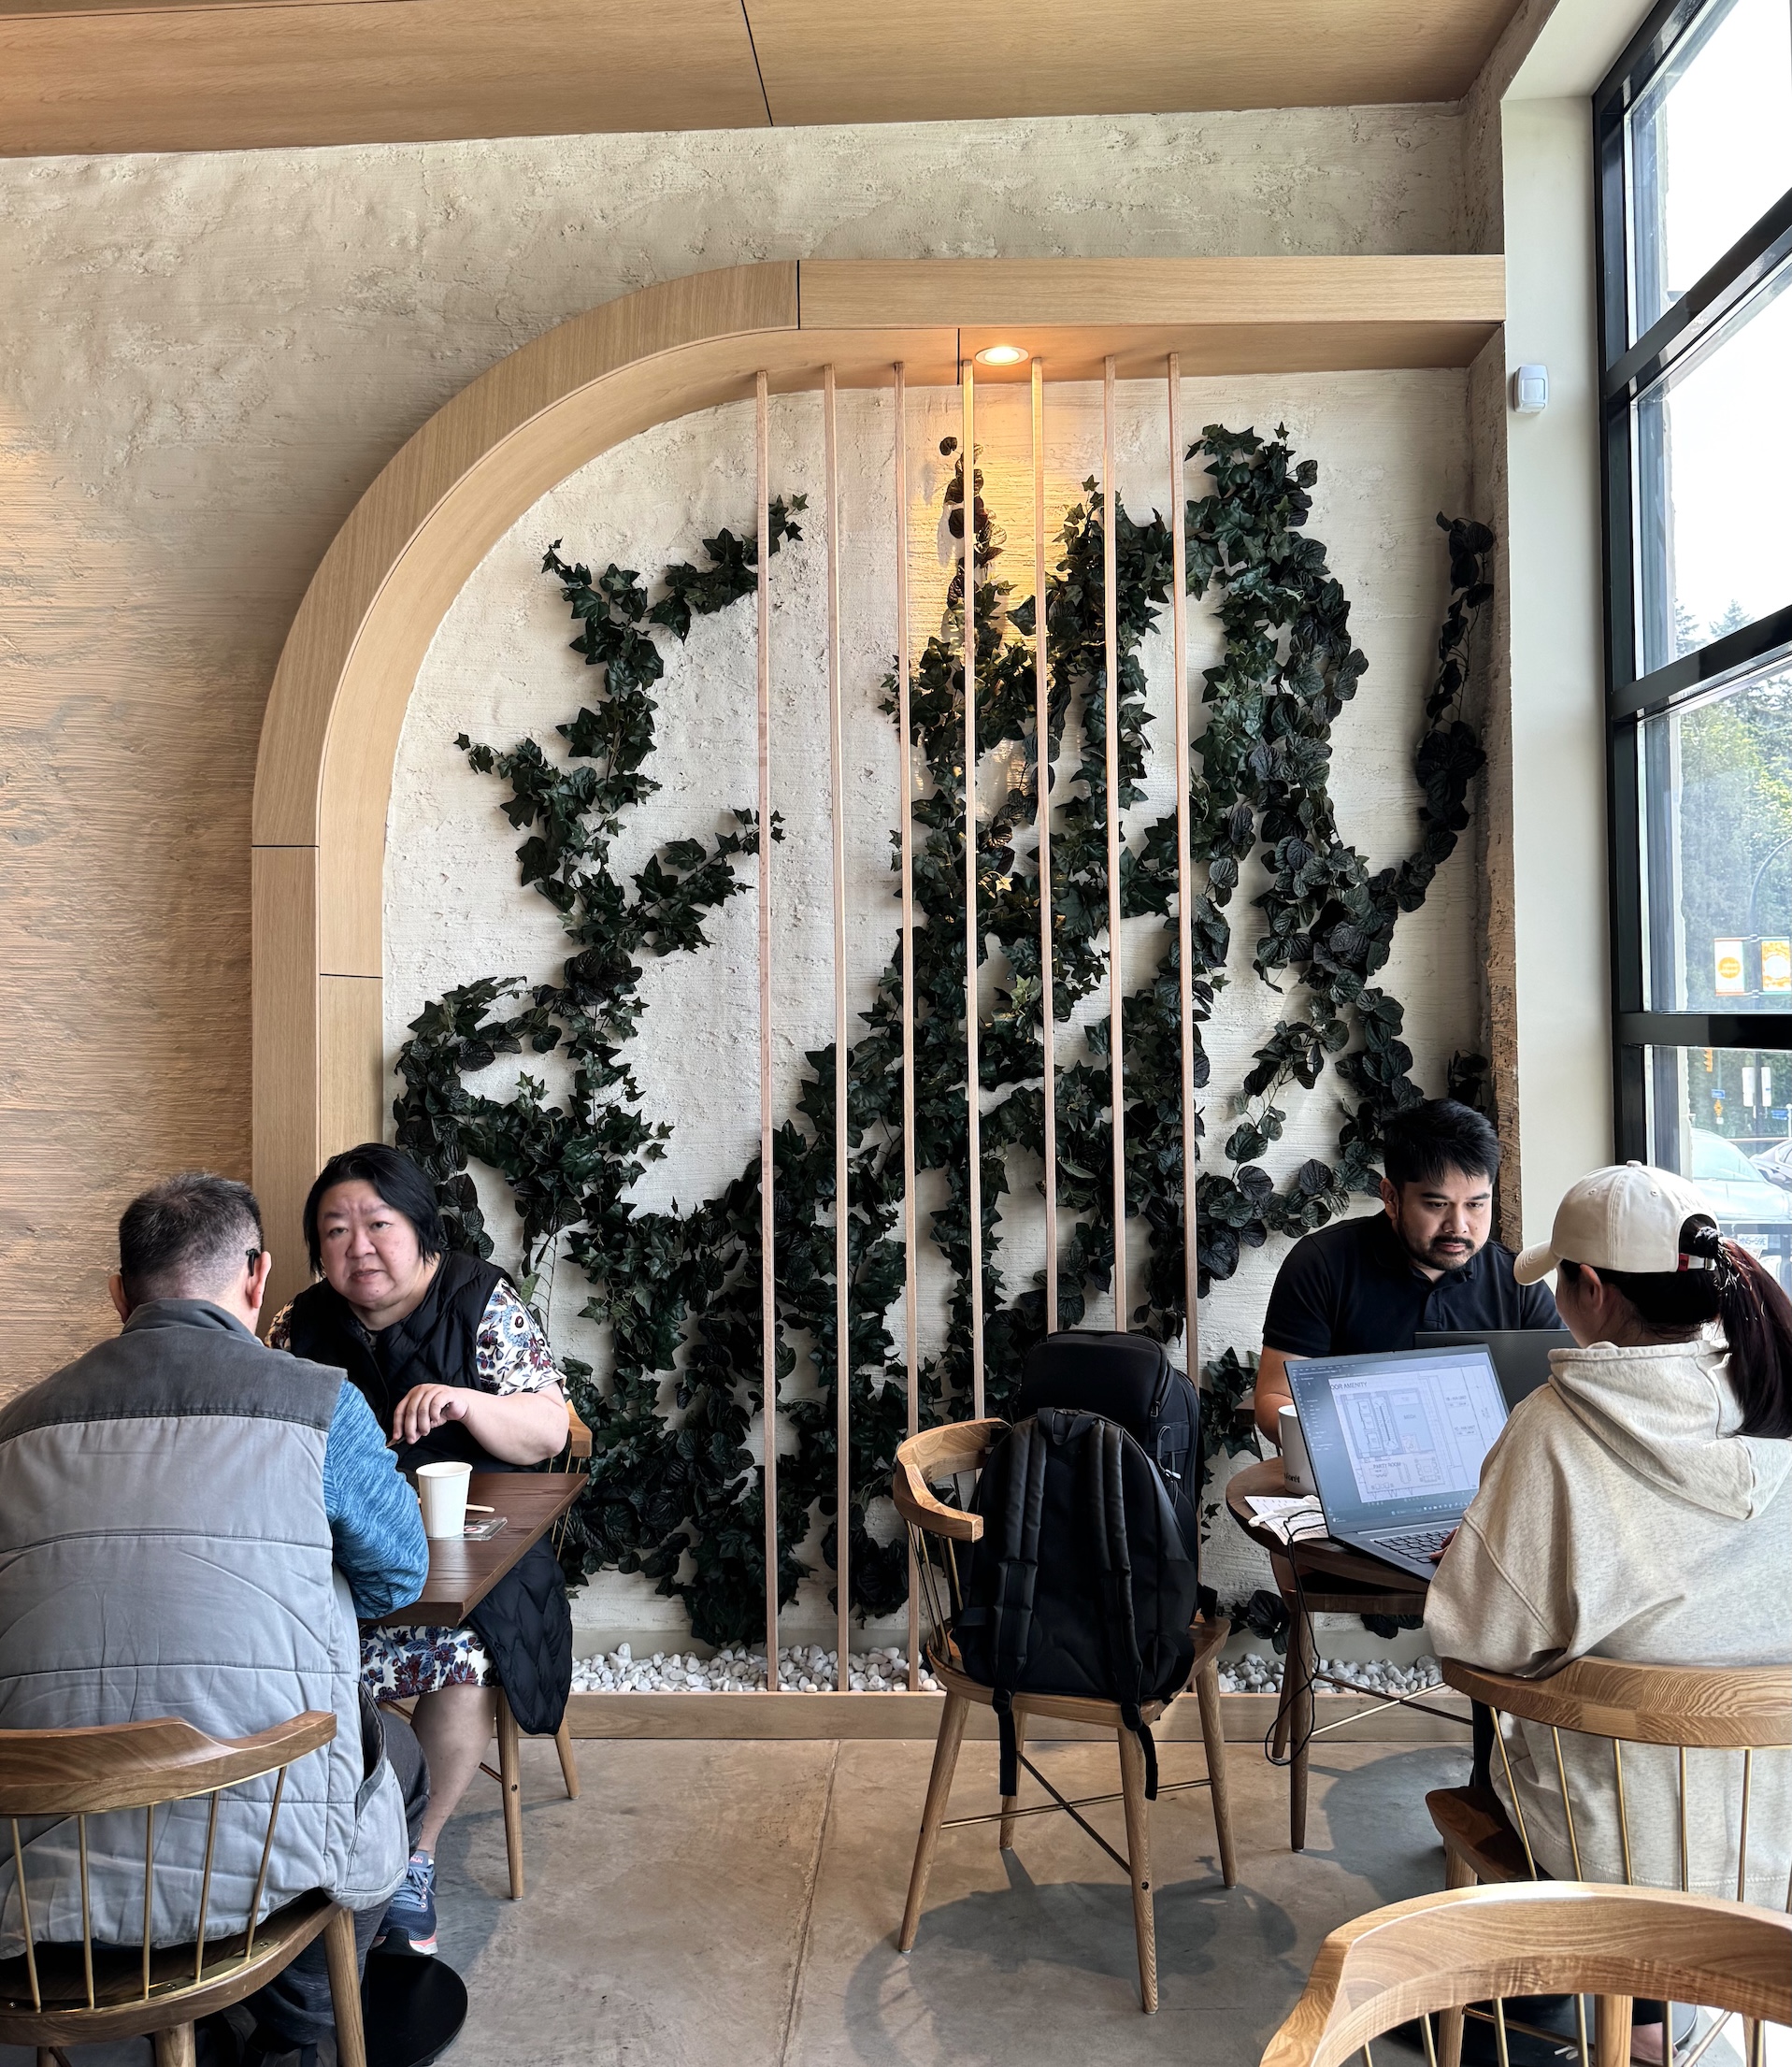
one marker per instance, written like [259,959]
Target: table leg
[1298,1708]
[568,1758]
[510,1781]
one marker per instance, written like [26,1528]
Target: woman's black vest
[524,1622]
[436,1345]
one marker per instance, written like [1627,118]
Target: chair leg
[345,1988]
[1456,1873]
[1006,1842]
[510,1781]
[568,1761]
[1207,1692]
[174,2047]
[1612,2031]
[945,1762]
[1298,1709]
[1132,1788]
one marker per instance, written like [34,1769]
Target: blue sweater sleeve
[374,1516]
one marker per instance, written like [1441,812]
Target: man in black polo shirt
[1425,1261]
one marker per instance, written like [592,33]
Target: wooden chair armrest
[1712,1707]
[939,1454]
[97,1768]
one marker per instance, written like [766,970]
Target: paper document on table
[1288,1518]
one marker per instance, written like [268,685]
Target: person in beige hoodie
[1636,1507]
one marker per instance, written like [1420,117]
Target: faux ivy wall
[1391,451]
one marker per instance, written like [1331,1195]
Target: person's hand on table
[1443,1546]
[425,1408]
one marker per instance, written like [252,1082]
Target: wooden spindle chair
[1429,1956]
[1731,1714]
[956,1453]
[55,1995]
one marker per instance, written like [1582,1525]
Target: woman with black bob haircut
[1637,1507]
[455,1366]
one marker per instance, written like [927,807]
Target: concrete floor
[714,1902]
[735,1905]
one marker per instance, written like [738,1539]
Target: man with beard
[1425,1261]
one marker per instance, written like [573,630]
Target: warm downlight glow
[1000,355]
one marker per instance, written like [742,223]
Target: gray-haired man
[190,1525]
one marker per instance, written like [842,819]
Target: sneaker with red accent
[410,1922]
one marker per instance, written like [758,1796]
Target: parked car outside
[1775,1163]
[1748,1208]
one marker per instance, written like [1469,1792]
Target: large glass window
[1714,438]
[1692,133]
[1716,809]
[1723,1116]
[1709,139]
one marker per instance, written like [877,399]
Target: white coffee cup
[441,1489]
[1297,1471]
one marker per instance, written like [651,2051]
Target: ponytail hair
[1718,1280]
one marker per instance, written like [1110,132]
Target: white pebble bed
[810,1670]
[737,1669]
[1254,1674]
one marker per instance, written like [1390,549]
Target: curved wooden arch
[323,779]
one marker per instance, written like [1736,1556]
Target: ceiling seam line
[757,69]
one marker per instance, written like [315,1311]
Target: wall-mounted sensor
[1530,390]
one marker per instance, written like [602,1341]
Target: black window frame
[1626,370]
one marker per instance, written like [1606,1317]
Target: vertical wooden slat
[1185,867]
[1043,727]
[768,1274]
[972,1074]
[905,823]
[842,1258]
[1116,1067]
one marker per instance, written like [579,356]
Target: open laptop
[1396,1443]
[1520,1354]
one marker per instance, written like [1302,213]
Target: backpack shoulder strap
[1016,1582]
[1105,1486]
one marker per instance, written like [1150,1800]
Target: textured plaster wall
[205,360]
[1393,449]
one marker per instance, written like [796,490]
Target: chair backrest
[1441,1952]
[1739,1709]
[578,1450]
[80,1773]
[936,1528]
[1703,1707]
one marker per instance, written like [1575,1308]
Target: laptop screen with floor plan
[1397,1441]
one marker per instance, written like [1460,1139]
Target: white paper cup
[1296,1468]
[441,1488]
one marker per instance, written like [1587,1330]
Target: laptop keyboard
[1417,1543]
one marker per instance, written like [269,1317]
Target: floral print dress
[510,1356]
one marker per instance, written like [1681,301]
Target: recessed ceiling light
[1000,355]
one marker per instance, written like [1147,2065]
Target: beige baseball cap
[1627,1217]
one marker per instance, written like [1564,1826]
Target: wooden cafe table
[1318,1575]
[462,1573]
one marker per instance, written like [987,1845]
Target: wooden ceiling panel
[199,74]
[254,77]
[848,61]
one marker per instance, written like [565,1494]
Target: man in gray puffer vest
[190,1525]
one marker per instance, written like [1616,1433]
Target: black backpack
[1081,1583]
[1128,1379]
